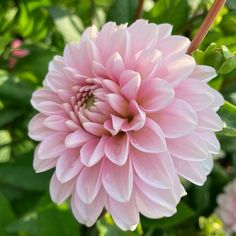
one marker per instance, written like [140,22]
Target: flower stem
[204,28]
[139,9]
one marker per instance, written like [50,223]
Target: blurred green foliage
[44,27]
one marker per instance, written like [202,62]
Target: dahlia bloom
[122,115]
[227,206]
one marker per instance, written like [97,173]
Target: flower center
[89,101]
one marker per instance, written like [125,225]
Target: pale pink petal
[44,95]
[60,192]
[117,149]
[94,128]
[52,146]
[125,214]
[190,170]
[78,138]
[176,68]
[130,82]
[177,119]
[115,66]
[50,108]
[173,44]
[68,165]
[190,147]
[137,118]
[209,120]
[164,30]
[118,103]
[42,165]
[155,94]
[149,138]
[210,139]
[147,62]
[156,170]
[203,73]
[37,130]
[93,151]
[89,182]
[166,197]
[147,39]
[56,122]
[149,208]
[118,180]
[88,213]
[196,93]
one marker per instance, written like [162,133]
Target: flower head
[122,115]
[227,206]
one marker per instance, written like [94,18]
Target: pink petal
[203,73]
[149,138]
[89,183]
[94,128]
[148,37]
[68,165]
[124,214]
[196,93]
[88,213]
[209,120]
[118,180]
[190,147]
[177,119]
[117,149]
[93,151]
[51,108]
[60,192]
[138,118]
[173,44]
[164,30]
[52,146]
[149,208]
[155,94]
[211,141]
[56,122]
[130,82]
[118,103]
[176,68]
[42,165]
[147,62]
[37,131]
[156,170]
[78,138]
[43,95]
[115,66]
[190,170]
[167,198]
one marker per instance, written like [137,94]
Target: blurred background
[31,33]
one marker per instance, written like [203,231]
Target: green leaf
[228,114]
[26,224]
[228,65]
[23,176]
[122,11]
[174,12]
[69,25]
[184,212]
[6,216]
[9,115]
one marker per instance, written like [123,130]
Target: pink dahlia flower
[122,115]
[227,206]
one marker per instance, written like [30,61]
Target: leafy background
[44,27]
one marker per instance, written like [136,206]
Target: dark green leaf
[174,12]
[122,11]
